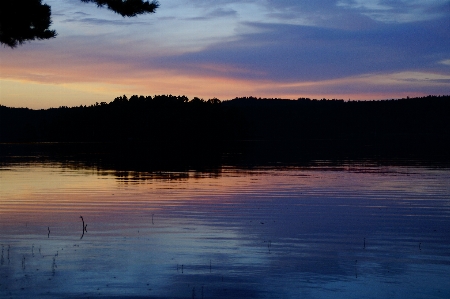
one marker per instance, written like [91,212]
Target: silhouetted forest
[416,119]
[145,119]
[168,117]
[174,127]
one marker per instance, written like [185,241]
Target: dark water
[354,230]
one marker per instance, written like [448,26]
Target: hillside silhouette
[178,129]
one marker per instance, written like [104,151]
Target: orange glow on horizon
[34,84]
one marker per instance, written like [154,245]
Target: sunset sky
[349,49]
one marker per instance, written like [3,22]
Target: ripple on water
[361,231]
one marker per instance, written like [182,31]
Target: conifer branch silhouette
[24,20]
[27,20]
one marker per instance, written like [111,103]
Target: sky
[344,49]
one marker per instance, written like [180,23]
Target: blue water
[357,230]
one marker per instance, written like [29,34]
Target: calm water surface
[348,231]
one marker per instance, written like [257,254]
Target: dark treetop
[27,20]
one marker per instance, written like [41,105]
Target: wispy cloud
[290,52]
[216,13]
[400,11]
[97,21]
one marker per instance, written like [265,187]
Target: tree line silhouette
[163,118]
[178,121]
[417,119]
[178,133]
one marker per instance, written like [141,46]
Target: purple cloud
[282,52]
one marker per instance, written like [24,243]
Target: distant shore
[161,119]
[175,132]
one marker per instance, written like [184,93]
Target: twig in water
[48,236]
[54,266]
[84,227]
[152,218]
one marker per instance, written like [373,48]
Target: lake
[355,229]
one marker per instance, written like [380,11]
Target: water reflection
[346,230]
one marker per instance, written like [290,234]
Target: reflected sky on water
[347,231]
